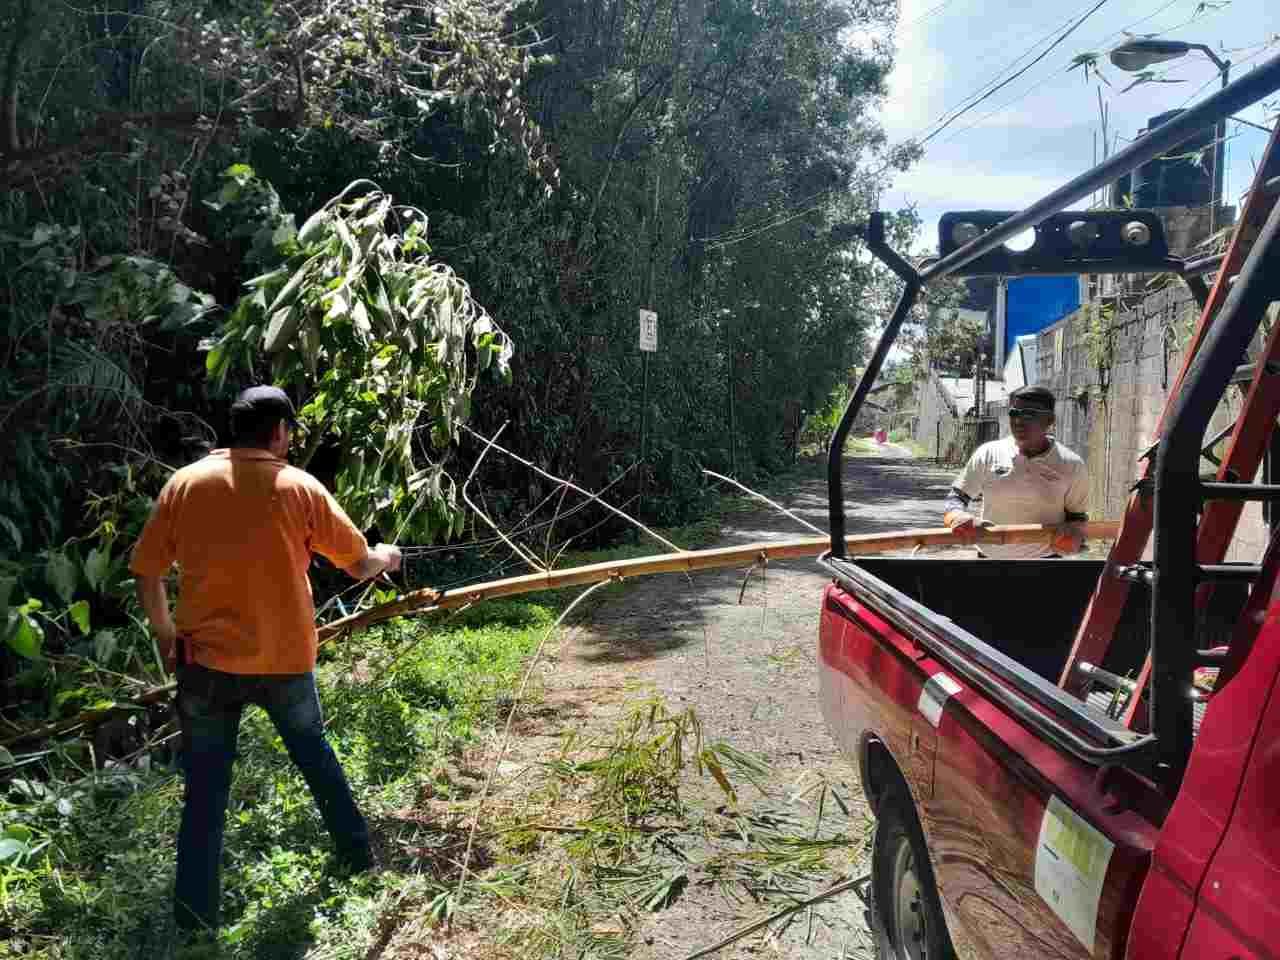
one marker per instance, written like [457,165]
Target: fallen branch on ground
[506,732]
[784,912]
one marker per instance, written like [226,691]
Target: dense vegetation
[415,218]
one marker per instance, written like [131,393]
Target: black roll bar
[1244,92]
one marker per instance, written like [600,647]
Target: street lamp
[1138,55]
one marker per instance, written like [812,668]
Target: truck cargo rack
[1168,500]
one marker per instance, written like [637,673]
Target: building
[1026,305]
[1020,366]
[946,423]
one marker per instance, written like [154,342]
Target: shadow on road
[665,614]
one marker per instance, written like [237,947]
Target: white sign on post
[648,331]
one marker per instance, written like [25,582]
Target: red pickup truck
[1031,803]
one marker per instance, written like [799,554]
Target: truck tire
[906,918]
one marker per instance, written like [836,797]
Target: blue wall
[1034,303]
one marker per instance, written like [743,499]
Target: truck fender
[877,769]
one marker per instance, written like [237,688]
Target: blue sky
[1038,132]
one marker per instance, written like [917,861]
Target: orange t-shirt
[242,525]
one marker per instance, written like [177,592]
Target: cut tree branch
[573,486]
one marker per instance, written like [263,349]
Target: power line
[1063,36]
[1041,82]
[902,28]
[1102,42]
[1062,30]
[995,77]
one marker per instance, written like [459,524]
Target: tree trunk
[24,18]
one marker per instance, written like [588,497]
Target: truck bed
[1030,609]
[945,671]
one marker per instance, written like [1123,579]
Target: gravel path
[748,670]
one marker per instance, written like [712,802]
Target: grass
[409,706]
[403,705]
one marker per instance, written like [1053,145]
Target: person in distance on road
[242,524]
[1026,477]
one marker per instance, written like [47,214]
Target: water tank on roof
[1176,180]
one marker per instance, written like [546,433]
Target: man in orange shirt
[242,525]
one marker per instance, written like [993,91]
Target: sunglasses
[1026,413]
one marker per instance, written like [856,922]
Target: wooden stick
[687,561]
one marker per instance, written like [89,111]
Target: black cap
[262,403]
[1041,398]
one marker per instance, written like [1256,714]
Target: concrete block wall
[936,418]
[1112,424]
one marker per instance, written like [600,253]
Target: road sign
[648,331]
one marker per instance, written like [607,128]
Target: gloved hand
[963,526]
[1068,538]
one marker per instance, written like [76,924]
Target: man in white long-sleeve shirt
[1027,477]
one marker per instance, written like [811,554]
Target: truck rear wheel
[906,916]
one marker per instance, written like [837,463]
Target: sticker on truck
[938,689]
[1071,865]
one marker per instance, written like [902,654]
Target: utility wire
[1000,86]
[1101,43]
[928,14]
[1051,76]
[995,78]
[811,204]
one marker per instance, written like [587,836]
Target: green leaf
[65,696]
[11,528]
[284,324]
[11,849]
[60,572]
[25,637]
[104,645]
[96,566]
[313,225]
[213,363]
[284,233]
[79,612]
[239,171]
[6,758]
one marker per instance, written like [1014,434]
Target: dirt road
[748,671]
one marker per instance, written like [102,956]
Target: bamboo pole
[686,561]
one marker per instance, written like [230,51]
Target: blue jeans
[209,706]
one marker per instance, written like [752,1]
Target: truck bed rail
[1054,714]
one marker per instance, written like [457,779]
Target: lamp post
[1137,55]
